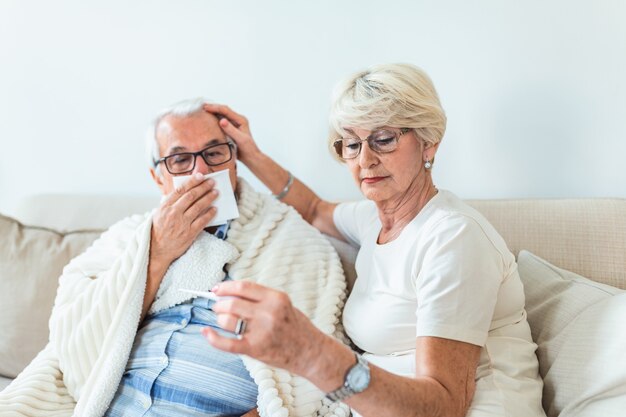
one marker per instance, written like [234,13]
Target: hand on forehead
[188,132]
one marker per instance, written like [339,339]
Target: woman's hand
[236,127]
[313,209]
[276,332]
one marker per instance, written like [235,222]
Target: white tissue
[225,202]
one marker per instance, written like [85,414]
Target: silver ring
[240,327]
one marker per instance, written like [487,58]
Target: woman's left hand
[276,333]
[237,127]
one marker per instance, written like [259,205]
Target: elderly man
[125,341]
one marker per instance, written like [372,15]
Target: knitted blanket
[100,295]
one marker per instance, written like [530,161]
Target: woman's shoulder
[359,208]
[450,214]
[355,220]
[446,205]
[363,213]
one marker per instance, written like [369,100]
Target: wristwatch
[356,380]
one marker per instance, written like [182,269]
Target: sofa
[571,256]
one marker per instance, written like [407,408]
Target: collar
[222,230]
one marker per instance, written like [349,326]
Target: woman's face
[383,176]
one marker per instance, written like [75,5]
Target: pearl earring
[428,164]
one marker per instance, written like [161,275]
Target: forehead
[188,132]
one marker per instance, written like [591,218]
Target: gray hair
[182,108]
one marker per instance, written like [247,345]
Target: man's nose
[201,166]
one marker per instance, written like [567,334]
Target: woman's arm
[280,335]
[444,384]
[313,209]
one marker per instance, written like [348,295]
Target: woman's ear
[430,151]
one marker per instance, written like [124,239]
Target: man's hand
[175,225]
[181,218]
[236,127]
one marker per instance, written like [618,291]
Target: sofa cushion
[31,261]
[587,235]
[578,327]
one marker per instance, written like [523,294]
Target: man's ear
[158,180]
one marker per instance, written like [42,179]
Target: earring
[428,164]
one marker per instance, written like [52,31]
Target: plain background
[535,91]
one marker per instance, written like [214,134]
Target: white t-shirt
[449,274]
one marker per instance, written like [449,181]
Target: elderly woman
[437,310]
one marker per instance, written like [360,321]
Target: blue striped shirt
[173,370]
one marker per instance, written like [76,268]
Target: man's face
[176,134]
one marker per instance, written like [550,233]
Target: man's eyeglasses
[380,141]
[185,162]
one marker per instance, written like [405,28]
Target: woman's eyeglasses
[380,141]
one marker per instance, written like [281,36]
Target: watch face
[358,378]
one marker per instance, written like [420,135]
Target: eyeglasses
[182,163]
[380,141]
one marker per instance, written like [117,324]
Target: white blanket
[98,306]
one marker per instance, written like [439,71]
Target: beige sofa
[577,322]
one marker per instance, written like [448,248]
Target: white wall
[535,91]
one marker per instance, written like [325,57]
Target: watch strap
[340,394]
[346,390]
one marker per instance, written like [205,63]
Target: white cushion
[578,325]
[4,382]
[31,261]
[66,212]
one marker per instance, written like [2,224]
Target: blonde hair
[394,95]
